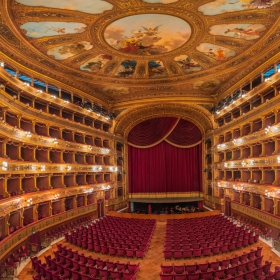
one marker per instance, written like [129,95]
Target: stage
[166,205]
[164,217]
[166,200]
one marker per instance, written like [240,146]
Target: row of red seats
[15,258]
[223,239]
[68,262]
[239,272]
[247,258]
[207,233]
[108,243]
[218,233]
[232,243]
[107,247]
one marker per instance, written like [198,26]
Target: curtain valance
[177,132]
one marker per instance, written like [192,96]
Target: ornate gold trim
[256,214]
[12,241]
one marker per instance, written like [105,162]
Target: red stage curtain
[185,134]
[173,165]
[165,168]
[151,131]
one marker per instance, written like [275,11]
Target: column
[251,199]
[262,202]
[276,145]
[19,151]
[35,212]
[20,184]
[263,149]
[49,182]
[21,217]
[275,206]
[4,148]
[7,227]
[5,194]
[75,202]
[251,151]
[75,179]
[34,183]
[262,180]
[241,197]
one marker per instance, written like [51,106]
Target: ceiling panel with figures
[125,50]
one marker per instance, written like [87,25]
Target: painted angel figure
[241,32]
[58,30]
[151,31]
[261,4]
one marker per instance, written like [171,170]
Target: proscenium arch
[196,114]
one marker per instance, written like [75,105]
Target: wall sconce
[14,97]
[2,64]
[68,168]
[4,165]
[105,187]
[43,168]
[90,148]
[243,163]
[56,196]
[28,134]
[267,193]
[55,141]
[29,201]
[53,96]
[26,84]
[267,129]
[66,101]
[99,168]
[89,190]
[278,159]
[39,91]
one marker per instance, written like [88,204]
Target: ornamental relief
[129,118]
[74,38]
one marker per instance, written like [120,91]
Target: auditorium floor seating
[115,236]
[150,266]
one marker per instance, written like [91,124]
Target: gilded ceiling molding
[73,45]
[127,119]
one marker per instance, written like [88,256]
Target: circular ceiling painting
[147,34]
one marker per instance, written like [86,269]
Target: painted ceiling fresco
[243,31]
[187,64]
[138,46]
[226,6]
[96,63]
[85,6]
[147,34]
[217,52]
[66,51]
[47,28]
[160,1]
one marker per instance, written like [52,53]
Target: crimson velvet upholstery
[165,155]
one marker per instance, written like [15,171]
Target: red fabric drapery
[151,131]
[177,132]
[165,166]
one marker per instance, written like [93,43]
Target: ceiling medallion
[147,34]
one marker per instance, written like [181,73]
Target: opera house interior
[139,139]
